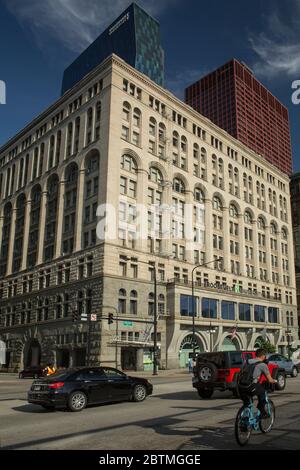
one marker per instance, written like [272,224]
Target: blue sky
[39,38]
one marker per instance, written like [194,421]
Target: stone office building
[118,138]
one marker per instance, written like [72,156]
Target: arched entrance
[187,348]
[230,344]
[260,340]
[32,353]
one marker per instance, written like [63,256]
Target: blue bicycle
[249,419]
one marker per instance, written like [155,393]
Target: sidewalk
[160,373]
[141,373]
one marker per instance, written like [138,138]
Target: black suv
[219,370]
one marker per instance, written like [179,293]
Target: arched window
[233,212]
[58,307]
[247,217]
[155,175]
[128,163]
[19,232]
[34,166]
[70,208]
[33,239]
[91,194]
[178,185]
[203,155]
[51,217]
[69,140]
[184,147]
[196,151]
[175,139]
[273,229]
[6,229]
[199,195]
[51,152]
[151,304]
[126,111]
[217,204]
[161,304]
[284,233]
[122,301]
[133,302]
[137,117]
[261,223]
[77,135]
[152,127]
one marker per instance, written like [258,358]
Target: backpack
[245,377]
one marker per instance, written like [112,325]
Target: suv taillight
[56,385]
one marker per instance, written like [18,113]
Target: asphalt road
[173,418]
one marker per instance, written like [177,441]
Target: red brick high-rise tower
[236,101]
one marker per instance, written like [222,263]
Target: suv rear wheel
[207,372]
[205,393]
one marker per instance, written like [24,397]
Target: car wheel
[281,382]
[139,393]
[207,373]
[235,393]
[77,401]
[205,393]
[294,372]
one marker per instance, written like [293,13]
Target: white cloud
[74,23]
[278,48]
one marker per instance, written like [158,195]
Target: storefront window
[209,308]
[186,306]
[245,312]
[259,313]
[228,310]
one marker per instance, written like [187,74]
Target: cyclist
[249,380]
[50,369]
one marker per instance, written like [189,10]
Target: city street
[173,418]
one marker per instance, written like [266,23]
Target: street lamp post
[288,332]
[211,331]
[193,299]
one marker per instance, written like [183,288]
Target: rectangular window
[228,310]
[245,312]
[259,313]
[273,315]
[209,308]
[186,305]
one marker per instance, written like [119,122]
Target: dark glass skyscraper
[134,36]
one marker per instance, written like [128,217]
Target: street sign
[127,323]
[94,317]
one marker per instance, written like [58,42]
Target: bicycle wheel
[266,424]
[242,427]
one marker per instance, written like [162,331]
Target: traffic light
[110,318]
[74,316]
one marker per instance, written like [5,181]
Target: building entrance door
[128,359]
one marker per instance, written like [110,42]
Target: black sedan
[76,388]
[33,372]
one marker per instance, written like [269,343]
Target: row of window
[209,308]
